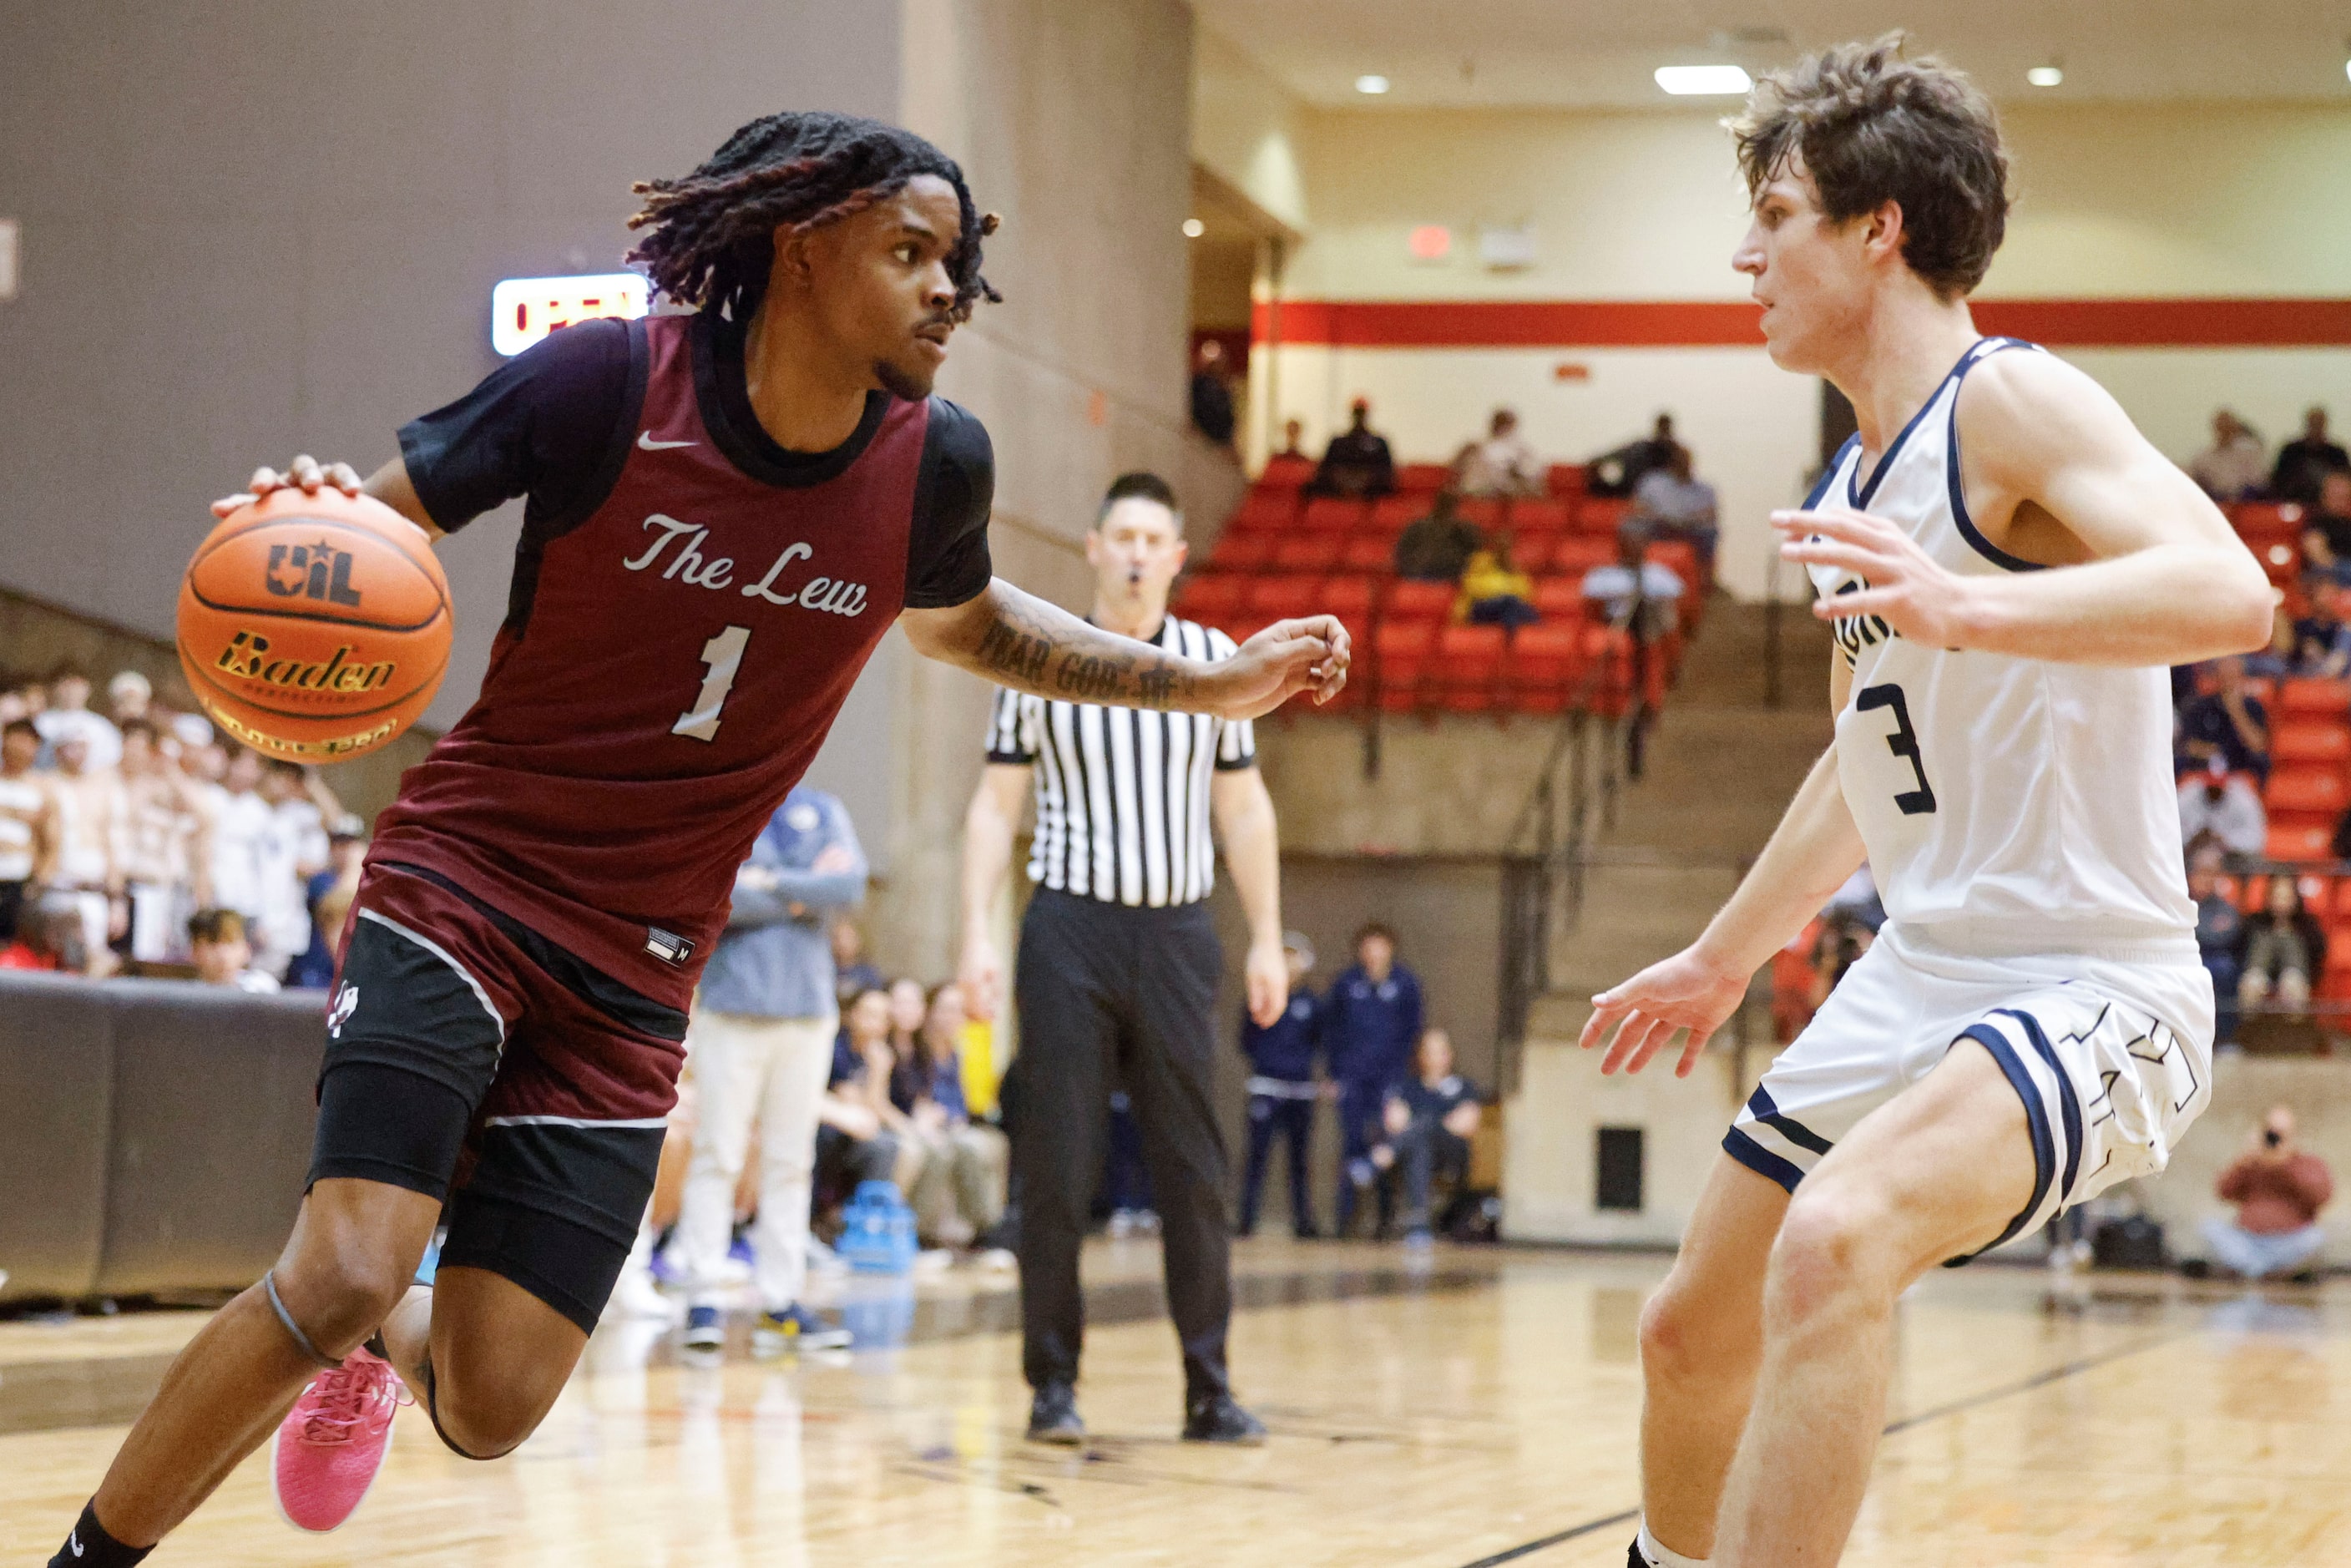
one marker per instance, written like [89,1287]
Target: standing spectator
[329,894]
[1371,1020]
[69,714]
[2222,804]
[761,1050]
[2278,1187]
[89,882]
[2220,937]
[222,955]
[1677,505]
[2236,466]
[1502,464]
[2303,462]
[1282,1091]
[1429,1119]
[128,696]
[958,1194]
[2326,532]
[1212,394]
[163,846]
[852,971]
[2283,949]
[238,819]
[2227,722]
[28,824]
[1435,548]
[2322,638]
[290,849]
[1494,591]
[1356,463]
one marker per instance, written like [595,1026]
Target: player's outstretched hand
[1683,992]
[1902,585]
[1286,658]
[306,473]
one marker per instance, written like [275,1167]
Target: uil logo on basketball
[346,1002]
[311,572]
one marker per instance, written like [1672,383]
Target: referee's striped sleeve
[1010,739]
[1236,738]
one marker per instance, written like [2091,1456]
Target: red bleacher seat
[1307,552]
[1579,553]
[1422,478]
[1348,598]
[2307,842]
[1568,479]
[2308,695]
[1484,511]
[1679,557]
[2311,740]
[1395,512]
[1367,553]
[1560,598]
[1287,473]
[1333,514]
[1400,655]
[1244,552]
[2266,516]
[1601,513]
[2280,560]
[1281,598]
[1245,623]
[1211,597]
[1543,664]
[1420,601]
[1469,667]
[2304,788]
[1261,510]
[1533,550]
[1531,514]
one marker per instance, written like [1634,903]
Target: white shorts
[2111,1054]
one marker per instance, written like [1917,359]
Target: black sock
[90,1547]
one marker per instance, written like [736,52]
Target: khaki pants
[959,1190]
[772,1071]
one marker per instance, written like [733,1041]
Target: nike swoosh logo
[645,442]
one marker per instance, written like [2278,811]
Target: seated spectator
[2278,1187]
[1435,548]
[2225,806]
[2236,466]
[1678,506]
[2322,638]
[852,971]
[223,956]
[1633,591]
[2304,463]
[2284,946]
[1494,591]
[1620,473]
[1357,462]
[43,941]
[1502,464]
[1212,394]
[2326,531]
[28,823]
[851,1145]
[959,1196]
[1857,900]
[2220,935]
[2227,722]
[67,714]
[1843,940]
[1428,1119]
[1293,437]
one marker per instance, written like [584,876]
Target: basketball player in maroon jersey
[725,512]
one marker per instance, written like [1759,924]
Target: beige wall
[1246,129]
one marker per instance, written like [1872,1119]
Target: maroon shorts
[470,1059]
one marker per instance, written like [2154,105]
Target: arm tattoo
[1080,662]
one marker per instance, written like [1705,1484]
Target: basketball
[314,628]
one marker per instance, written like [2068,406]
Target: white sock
[1656,1556]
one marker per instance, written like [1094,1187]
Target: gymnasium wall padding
[154,1133]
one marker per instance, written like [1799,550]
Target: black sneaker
[1219,1419]
[1054,1415]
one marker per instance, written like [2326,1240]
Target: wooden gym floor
[1475,1412]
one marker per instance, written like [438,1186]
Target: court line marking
[2057,1373]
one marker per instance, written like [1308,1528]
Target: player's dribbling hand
[1286,658]
[306,473]
[1677,993]
[1902,585]
[979,977]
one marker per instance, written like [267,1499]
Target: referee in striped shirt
[1119,964]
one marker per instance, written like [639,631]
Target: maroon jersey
[691,606]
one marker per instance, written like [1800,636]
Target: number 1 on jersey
[1903,743]
[724,654]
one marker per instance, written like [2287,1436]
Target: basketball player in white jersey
[2009,564]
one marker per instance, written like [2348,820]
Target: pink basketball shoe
[331,1443]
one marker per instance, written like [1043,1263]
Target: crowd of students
[135,841]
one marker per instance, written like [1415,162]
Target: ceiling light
[2045,76]
[2346,67]
[1695,81]
[1371,86]
[1193,228]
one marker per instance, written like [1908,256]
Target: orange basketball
[314,628]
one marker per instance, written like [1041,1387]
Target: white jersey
[2007,805]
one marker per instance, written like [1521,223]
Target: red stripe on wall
[1687,324]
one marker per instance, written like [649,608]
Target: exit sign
[524,310]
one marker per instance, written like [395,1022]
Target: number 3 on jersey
[722,655]
[1903,743]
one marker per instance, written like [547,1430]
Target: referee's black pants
[1112,996]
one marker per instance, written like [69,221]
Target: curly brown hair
[710,235]
[1870,127]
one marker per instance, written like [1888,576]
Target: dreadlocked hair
[709,237]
